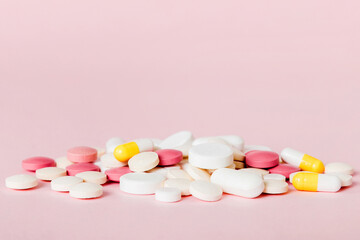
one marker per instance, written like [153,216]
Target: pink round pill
[82,154]
[261,159]
[169,157]
[114,174]
[74,169]
[35,163]
[284,169]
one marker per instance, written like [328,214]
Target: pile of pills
[181,166]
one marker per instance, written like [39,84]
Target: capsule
[126,151]
[315,182]
[301,160]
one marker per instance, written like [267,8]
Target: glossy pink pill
[74,169]
[261,159]
[114,174]
[284,169]
[82,154]
[34,163]
[169,157]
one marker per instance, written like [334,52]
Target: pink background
[279,73]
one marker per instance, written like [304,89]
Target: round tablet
[21,181]
[262,159]
[211,156]
[284,169]
[112,143]
[169,157]
[196,173]
[34,163]
[274,176]
[93,177]
[260,172]
[178,173]
[109,160]
[205,191]
[114,174]
[63,184]
[180,183]
[81,167]
[82,154]
[275,186]
[86,190]
[50,173]
[179,141]
[62,162]
[167,194]
[141,183]
[339,167]
[248,148]
[346,179]
[143,161]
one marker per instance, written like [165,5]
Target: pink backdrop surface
[278,73]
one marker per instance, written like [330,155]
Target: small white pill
[179,141]
[239,165]
[93,177]
[273,186]
[346,179]
[167,194]
[236,141]
[196,173]
[63,162]
[156,143]
[209,140]
[108,160]
[163,170]
[248,148]
[112,143]
[63,184]
[178,173]
[258,171]
[21,181]
[211,156]
[180,183]
[274,176]
[86,190]
[205,191]
[141,183]
[143,161]
[100,151]
[50,173]
[339,167]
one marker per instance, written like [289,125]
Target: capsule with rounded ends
[301,160]
[315,182]
[126,151]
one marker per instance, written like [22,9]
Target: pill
[21,181]
[163,170]
[100,151]
[273,186]
[203,140]
[93,177]
[260,172]
[339,167]
[143,161]
[239,165]
[248,148]
[50,173]
[236,141]
[301,160]
[101,166]
[34,163]
[167,194]
[181,141]
[81,167]
[238,182]
[284,169]
[82,154]
[211,156]
[262,159]
[178,173]
[63,184]
[141,183]
[86,190]
[196,173]
[238,155]
[180,183]
[108,160]
[169,157]
[309,181]
[274,176]
[156,143]
[205,190]
[62,162]
[127,150]
[291,176]
[114,174]
[346,179]
[112,143]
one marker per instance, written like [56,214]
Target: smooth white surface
[274,176]
[196,173]
[167,194]
[50,173]
[292,156]
[181,141]
[156,143]
[203,140]
[21,181]
[63,184]
[100,151]
[63,162]
[258,171]
[143,161]
[112,143]
[163,170]
[238,155]
[86,190]
[236,141]
[108,160]
[328,183]
[248,148]
[339,167]
[178,173]
[346,179]
[205,191]
[180,183]
[144,144]
[93,177]
[273,186]
[141,183]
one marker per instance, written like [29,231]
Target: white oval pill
[346,179]
[178,173]
[236,141]
[108,160]
[63,162]
[163,170]
[179,141]
[196,173]
[50,173]
[209,140]
[112,143]
[260,172]
[248,148]
[143,161]
[180,183]
[339,167]
[205,191]
[273,186]
[63,184]
[211,156]
[166,194]
[86,190]
[21,181]
[93,177]
[141,183]
[274,176]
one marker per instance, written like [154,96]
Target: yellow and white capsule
[126,151]
[315,182]
[302,160]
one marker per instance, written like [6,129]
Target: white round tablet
[143,161]
[178,173]
[180,183]
[274,176]
[196,173]
[275,186]
[248,148]
[112,143]
[63,184]
[258,171]
[108,160]
[166,194]
[63,162]
[179,141]
[93,177]
[211,156]
[339,167]
[346,179]
[50,173]
[86,190]
[141,183]
[235,141]
[163,170]
[209,140]
[205,190]
[21,181]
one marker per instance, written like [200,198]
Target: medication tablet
[141,183]
[143,161]
[275,177]
[178,173]
[156,143]
[62,162]
[273,186]
[181,141]
[235,141]
[34,163]
[163,170]
[262,159]
[100,151]
[50,173]
[63,184]
[169,157]
[21,181]
[81,167]
[238,155]
[112,143]
[205,191]
[248,148]
[239,165]
[346,179]
[211,156]
[114,174]
[86,190]
[284,169]
[109,160]
[339,167]
[180,183]
[167,194]
[82,154]
[196,173]
[93,177]
[209,140]
[260,172]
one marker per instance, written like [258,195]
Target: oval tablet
[346,179]
[169,157]
[114,174]
[108,160]
[339,167]
[81,167]
[179,141]
[248,148]
[63,184]
[63,162]
[284,169]
[21,181]
[143,161]
[141,183]
[166,194]
[178,173]
[273,186]
[82,154]
[93,177]
[86,190]
[260,172]
[180,183]
[205,191]
[274,176]
[34,163]
[262,159]
[50,173]
[196,173]
[211,156]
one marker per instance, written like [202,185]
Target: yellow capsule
[126,151]
[301,160]
[308,181]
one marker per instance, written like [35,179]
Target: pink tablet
[261,159]
[114,174]
[284,169]
[169,157]
[35,163]
[82,154]
[76,168]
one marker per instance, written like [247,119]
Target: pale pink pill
[74,169]
[114,174]
[284,169]
[34,163]
[261,159]
[82,154]
[169,157]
